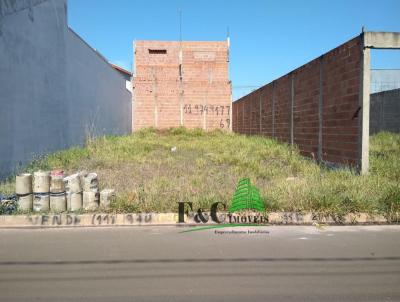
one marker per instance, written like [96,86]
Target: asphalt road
[287,263]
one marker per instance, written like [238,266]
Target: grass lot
[206,167]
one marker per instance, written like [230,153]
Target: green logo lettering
[246,197]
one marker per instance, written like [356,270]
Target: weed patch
[152,170]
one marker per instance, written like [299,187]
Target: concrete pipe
[41,182]
[58,202]
[90,200]
[91,183]
[73,183]
[74,201]
[106,197]
[23,184]
[82,174]
[57,184]
[41,202]
[25,202]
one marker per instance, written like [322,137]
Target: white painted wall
[53,86]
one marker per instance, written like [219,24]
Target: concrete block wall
[315,107]
[181,84]
[54,88]
[385,111]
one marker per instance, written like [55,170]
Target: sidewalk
[104,219]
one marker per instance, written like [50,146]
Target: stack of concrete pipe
[23,189]
[56,193]
[91,195]
[74,192]
[58,198]
[41,191]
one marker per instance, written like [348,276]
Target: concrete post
[364,105]
[250,115]
[155,101]
[376,40]
[230,114]
[228,41]
[291,111]
[260,110]
[242,116]
[180,85]
[320,107]
[237,118]
[133,98]
[273,109]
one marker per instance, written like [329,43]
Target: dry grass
[205,168]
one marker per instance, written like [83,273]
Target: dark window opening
[158,51]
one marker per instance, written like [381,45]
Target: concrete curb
[154,219]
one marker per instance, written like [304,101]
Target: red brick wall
[204,92]
[282,108]
[341,88]
[290,106]
[306,107]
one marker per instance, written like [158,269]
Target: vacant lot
[152,170]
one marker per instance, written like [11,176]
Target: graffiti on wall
[94,219]
[223,112]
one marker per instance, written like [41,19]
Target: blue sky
[268,38]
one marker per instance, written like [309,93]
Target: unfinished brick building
[181,84]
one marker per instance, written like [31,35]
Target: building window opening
[158,51]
